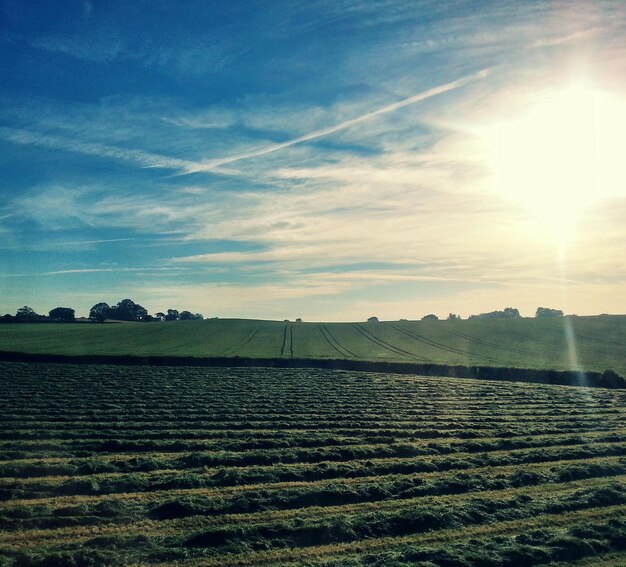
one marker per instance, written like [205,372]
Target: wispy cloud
[242,300]
[188,57]
[316,134]
[139,157]
[78,271]
[61,244]
[561,39]
[110,270]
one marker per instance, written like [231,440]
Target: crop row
[120,465]
[179,510]
[173,501]
[156,383]
[405,450]
[344,525]
[199,473]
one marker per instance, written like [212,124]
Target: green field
[599,342]
[194,466]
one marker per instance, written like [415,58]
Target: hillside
[598,342]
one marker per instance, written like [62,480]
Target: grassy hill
[594,343]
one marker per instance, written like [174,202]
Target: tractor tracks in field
[439,346]
[387,346]
[287,332]
[491,344]
[334,343]
[607,343]
[248,337]
[603,342]
[282,347]
[175,348]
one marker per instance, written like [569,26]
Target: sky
[330,160]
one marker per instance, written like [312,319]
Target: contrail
[149,160]
[35,246]
[209,165]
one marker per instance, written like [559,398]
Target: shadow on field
[606,379]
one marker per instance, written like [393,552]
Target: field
[200,466]
[591,343]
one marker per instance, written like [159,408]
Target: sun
[560,156]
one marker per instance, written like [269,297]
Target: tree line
[128,310]
[124,310]
[506,313]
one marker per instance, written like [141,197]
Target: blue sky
[316,159]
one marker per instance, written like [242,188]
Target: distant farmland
[598,343]
[104,465]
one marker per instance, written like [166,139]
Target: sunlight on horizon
[558,158]
[561,156]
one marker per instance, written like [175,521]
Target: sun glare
[565,153]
